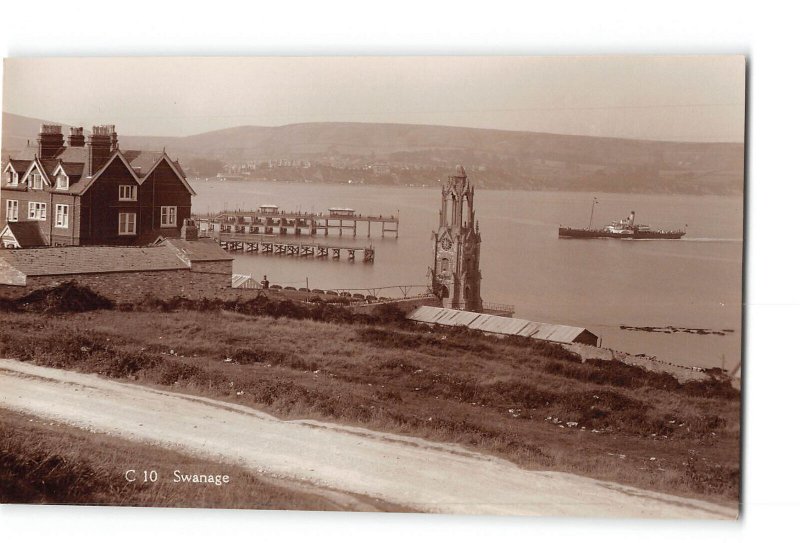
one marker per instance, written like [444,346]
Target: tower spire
[456,272]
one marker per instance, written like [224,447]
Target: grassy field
[527,401]
[49,463]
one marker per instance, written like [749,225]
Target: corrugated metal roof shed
[493,324]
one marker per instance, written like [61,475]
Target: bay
[695,282]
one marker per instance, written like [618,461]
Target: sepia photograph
[455,284]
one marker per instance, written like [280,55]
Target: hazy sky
[687,98]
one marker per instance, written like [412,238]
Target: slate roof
[144,160]
[20,166]
[179,167]
[27,233]
[49,165]
[82,260]
[79,186]
[73,154]
[494,324]
[73,168]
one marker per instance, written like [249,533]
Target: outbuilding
[494,324]
[191,268]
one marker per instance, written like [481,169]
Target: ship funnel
[631,218]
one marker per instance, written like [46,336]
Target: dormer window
[35,181]
[127,193]
[62,181]
[10,177]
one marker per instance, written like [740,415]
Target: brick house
[81,192]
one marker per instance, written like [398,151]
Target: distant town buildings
[89,192]
[381,168]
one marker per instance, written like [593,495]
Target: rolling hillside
[423,153]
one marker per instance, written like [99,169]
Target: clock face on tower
[446,244]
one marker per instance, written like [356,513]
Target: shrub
[172,372]
[68,297]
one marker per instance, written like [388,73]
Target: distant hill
[405,154]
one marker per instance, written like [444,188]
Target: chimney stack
[189,230]
[51,140]
[76,138]
[100,146]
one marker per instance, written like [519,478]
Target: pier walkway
[273,245]
[298,223]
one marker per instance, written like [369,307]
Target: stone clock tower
[456,275]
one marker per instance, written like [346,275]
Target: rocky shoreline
[677,330]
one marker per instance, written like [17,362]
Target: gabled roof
[19,166]
[144,161]
[175,168]
[73,170]
[83,185]
[157,236]
[239,280]
[36,164]
[27,234]
[135,168]
[178,167]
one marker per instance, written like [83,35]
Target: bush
[172,372]
[68,297]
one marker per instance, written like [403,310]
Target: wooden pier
[272,245]
[269,220]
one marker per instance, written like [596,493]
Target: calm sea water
[600,284]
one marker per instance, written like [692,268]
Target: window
[35,180]
[127,224]
[127,192]
[37,211]
[62,181]
[12,210]
[11,177]
[169,216]
[445,265]
[62,216]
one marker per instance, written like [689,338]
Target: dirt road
[402,470]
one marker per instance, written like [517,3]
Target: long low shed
[493,324]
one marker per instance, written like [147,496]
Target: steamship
[621,229]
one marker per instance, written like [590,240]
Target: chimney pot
[76,138]
[189,230]
[51,140]
[100,146]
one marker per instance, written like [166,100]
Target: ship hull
[585,233]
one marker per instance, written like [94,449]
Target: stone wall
[406,305]
[650,363]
